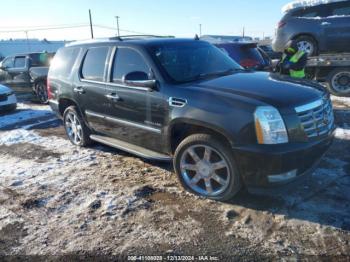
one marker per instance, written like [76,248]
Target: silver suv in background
[318,28]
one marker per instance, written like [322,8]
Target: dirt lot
[58,200]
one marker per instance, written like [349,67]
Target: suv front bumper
[268,165]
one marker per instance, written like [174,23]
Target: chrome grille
[316,118]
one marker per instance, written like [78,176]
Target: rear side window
[40,59]
[94,63]
[63,62]
[126,61]
[20,62]
[342,11]
[310,12]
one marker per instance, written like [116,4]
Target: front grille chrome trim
[316,118]
[309,106]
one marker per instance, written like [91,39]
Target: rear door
[337,27]
[89,91]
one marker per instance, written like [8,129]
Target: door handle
[326,23]
[113,97]
[79,90]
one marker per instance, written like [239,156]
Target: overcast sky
[163,17]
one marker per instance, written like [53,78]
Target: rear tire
[76,130]
[307,44]
[41,92]
[205,166]
[338,82]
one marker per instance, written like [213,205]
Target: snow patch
[343,134]
[24,113]
[306,3]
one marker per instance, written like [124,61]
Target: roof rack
[117,38]
[125,37]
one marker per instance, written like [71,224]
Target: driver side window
[127,60]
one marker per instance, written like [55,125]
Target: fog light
[283,177]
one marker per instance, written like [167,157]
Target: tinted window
[94,63]
[41,59]
[185,62]
[309,12]
[341,11]
[127,60]
[246,55]
[8,62]
[63,61]
[20,62]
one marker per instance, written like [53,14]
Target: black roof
[139,40]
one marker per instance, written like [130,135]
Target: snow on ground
[306,3]
[57,198]
[341,101]
[25,112]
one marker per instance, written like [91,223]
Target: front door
[90,90]
[133,112]
[19,74]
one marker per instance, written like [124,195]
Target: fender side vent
[177,102]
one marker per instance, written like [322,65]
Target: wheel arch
[308,35]
[64,103]
[182,128]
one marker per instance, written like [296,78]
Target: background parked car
[15,70]
[8,100]
[247,54]
[317,28]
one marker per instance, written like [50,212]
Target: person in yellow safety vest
[293,61]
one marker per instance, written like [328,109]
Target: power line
[57,27]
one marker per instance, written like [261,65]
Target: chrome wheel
[341,82]
[205,170]
[306,46]
[73,128]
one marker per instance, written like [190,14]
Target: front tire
[205,166]
[338,82]
[307,44]
[76,130]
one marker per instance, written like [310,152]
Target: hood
[272,89]
[4,89]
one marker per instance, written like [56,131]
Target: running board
[130,148]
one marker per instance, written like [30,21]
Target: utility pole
[28,45]
[91,29]
[200,30]
[117,17]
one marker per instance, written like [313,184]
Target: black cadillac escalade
[184,99]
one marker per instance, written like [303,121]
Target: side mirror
[139,79]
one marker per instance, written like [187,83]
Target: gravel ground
[59,201]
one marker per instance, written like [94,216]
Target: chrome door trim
[124,122]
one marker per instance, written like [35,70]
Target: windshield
[185,62]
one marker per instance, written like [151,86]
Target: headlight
[10,93]
[269,126]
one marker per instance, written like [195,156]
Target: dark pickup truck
[185,100]
[25,71]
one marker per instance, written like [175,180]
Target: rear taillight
[281,24]
[49,92]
